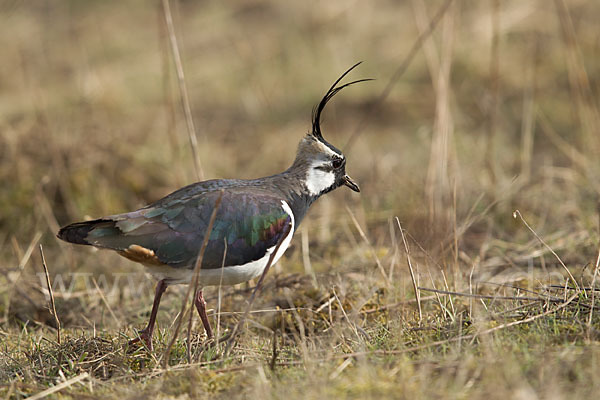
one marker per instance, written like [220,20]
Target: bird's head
[324,164]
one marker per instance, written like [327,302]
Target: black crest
[333,90]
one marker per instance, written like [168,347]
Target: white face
[318,180]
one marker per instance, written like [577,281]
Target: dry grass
[496,112]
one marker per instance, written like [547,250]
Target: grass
[496,112]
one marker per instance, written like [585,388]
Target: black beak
[351,184]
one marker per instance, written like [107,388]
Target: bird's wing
[171,231]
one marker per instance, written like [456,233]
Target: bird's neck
[292,184]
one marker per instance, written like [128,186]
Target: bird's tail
[77,233]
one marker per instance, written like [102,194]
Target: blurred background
[497,111]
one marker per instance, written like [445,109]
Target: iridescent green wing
[249,221]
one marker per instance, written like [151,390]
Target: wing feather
[173,229]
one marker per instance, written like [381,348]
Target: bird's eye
[337,163]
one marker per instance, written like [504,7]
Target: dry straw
[51,294]
[193,284]
[185,99]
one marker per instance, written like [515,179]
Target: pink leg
[201,307]
[146,333]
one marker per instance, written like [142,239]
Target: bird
[255,221]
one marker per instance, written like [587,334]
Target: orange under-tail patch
[141,254]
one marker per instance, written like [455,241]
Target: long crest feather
[333,90]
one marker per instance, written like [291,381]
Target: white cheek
[318,180]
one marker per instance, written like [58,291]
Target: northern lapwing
[255,218]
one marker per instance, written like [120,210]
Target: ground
[475,148]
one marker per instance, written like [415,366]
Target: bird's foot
[144,337]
